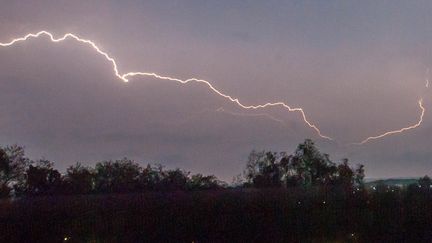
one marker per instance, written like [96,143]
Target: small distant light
[324,202]
[352,234]
[419,186]
[298,202]
[358,189]
[66,238]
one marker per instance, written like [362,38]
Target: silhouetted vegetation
[298,197]
[306,167]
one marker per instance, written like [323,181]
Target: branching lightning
[126,76]
[420,103]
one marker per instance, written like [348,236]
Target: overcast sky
[357,68]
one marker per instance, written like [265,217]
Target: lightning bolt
[126,76]
[251,115]
[420,103]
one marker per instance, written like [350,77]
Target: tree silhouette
[117,176]
[175,180]
[151,177]
[42,179]
[345,174]
[313,167]
[425,182]
[79,179]
[200,182]
[307,167]
[13,165]
[263,170]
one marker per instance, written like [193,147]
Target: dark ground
[244,215]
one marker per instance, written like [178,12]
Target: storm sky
[357,68]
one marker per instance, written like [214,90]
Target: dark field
[244,215]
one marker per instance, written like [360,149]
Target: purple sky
[357,68]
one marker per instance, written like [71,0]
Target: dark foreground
[266,215]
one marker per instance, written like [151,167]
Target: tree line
[307,166]
[20,176]
[280,197]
